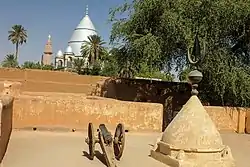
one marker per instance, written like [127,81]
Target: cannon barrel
[106,134]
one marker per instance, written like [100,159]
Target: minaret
[47,54]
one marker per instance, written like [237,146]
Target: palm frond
[93,49]
[18,34]
[9,61]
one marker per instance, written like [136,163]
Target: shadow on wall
[173,95]
[6,112]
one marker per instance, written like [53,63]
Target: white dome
[81,33]
[69,50]
[59,54]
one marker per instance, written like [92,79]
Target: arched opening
[60,63]
[70,62]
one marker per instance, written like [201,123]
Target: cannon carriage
[112,146]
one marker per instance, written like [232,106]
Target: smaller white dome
[59,53]
[69,50]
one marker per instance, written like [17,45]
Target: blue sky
[43,17]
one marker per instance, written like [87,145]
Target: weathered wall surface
[173,95]
[35,92]
[50,81]
[228,118]
[69,110]
[76,111]
[6,110]
[62,111]
[122,89]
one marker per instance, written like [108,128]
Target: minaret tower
[47,54]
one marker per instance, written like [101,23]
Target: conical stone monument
[191,139]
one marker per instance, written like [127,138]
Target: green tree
[157,34]
[31,65]
[78,65]
[93,49]
[36,65]
[154,73]
[124,58]
[18,36]
[47,67]
[9,61]
[110,66]
[96,68]
[183,75]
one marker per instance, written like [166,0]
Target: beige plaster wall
[70,111]
[225,118]
[229,118]
[50,98]
[76,111]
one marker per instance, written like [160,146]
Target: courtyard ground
[68,149]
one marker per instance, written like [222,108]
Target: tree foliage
[110,65]
[31,65]
[18,36]
[37,65]
[156,34]
[78,65]
[9,61]
[93,49]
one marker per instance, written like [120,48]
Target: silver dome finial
[87,9]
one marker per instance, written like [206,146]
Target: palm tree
[93,49]
[18,36]
[9,61]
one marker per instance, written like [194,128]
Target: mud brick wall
[50,81]
[228,118]
[6,110]
[64,86]
[173,95]
[67,111]
[43,109]
[76,111]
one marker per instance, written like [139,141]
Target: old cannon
[112,147]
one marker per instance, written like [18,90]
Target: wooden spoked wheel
[91,141]
[119,141]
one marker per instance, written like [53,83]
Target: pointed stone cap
[192,129]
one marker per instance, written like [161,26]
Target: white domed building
[84,29]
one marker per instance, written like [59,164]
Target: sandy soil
[68,149]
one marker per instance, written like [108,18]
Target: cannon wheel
[119,141]
[91,141]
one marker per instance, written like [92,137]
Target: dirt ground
[68,149]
